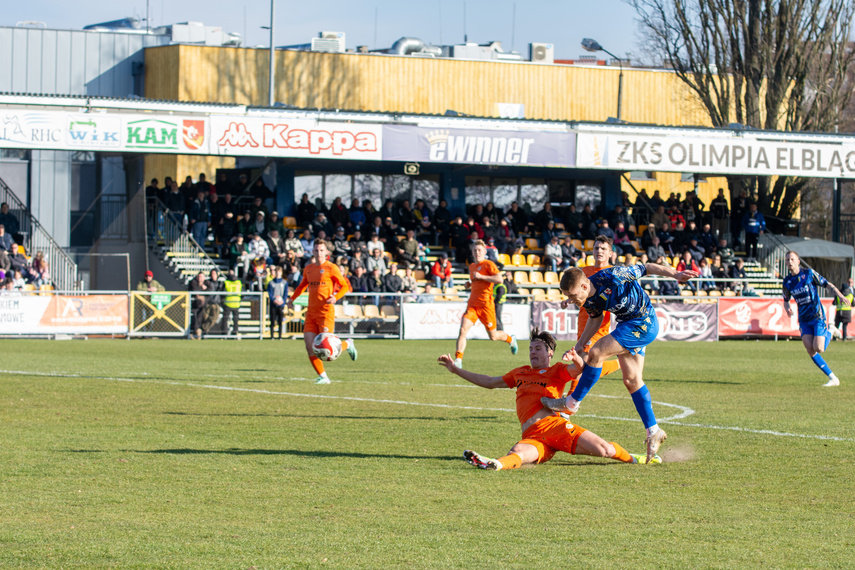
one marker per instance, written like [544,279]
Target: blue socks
[641,399]
[817,359]
[589,377]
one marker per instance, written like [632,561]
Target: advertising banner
[739,317]
[677,321]
[721,156]
[63,314]
[298,138]
[57,130]
[442,321]
[523,148]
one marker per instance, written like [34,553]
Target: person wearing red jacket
[441,273]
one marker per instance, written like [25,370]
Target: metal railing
[63,269]
[163,225]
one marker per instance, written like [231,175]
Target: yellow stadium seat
[539,295]
[504,259]
[389,311]
[371,312]
[518,259]
[533,259]
[550,277]
[589,245]
[577,243]
[535,277]
[520,277]
[554,294]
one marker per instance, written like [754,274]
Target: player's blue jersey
[616,290]
[803,287]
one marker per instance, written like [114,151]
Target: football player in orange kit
[326,286]
[483,274]
[601,252]
[543,432]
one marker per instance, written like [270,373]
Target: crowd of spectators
[17,270]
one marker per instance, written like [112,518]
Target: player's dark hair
[543,337]
[604,239]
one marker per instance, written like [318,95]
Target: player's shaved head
[571,278]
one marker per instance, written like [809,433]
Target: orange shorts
[486,315]
[552,434]
[319,323]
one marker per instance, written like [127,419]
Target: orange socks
[610,366]
[458,355]
[508,339]
[512,461]
[317,364]
[621,454]
[344,345]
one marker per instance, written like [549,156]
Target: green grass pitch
[223,454]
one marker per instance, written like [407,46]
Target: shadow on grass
[674,380]
[294,452]
[327,417]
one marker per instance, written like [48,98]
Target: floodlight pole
[271,74]
[593,45]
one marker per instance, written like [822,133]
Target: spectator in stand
[669,288]
[574,223]
[406,217]
[239,255]
[6,240]
[292,243]
[692,232]
[153,191]
[689,209]
[408,281]
[149,284]
[754,225]
[506,237]
[392,282]
[197,305]
[673,200]
[619,215]
[460,239]
[421,211]
[375,284]
[655,251]
[376,261]
[175,204]
[492,251]
[276,245]
[547,233]
[623,237]
[696,250]
[389,234]
[292,268]
[676,217]
[359,280]
[215,207]
[429,296]
[356,215]
[10,222]
[739,207]
[5,264]
[305,211]
[542,219]
[40,270]
[376,227]
[259,225]
[680,239]
[203,185]
[408,252]
[341,247]
[518,219]
[442,223]
[274,223]
[370,213]
[604,229]
[245,224]
[491,212]
[666,239]
[227,204]
[242,186]
[188,192]
[706,273]
[720,214]
[552,255]
[737,271]
[260,190]
[358,243]
[660,217]
[473,226]
[358,259]
[719,271]
[441,273]
[258,248]
[642,209]
[724,251]
[308,243]
[490,230]
[656,201]
[374,243]
[18,261]
[588,223]
[277,292]
[388,211]
[569,254]
[707,240]
[339,214]
[18,280]
[199,217]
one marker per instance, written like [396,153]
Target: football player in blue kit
[802,284]
[616,290]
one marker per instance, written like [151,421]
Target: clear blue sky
[376,24]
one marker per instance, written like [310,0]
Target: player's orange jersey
[322,281]
[481,292]
[532,384]
[583,314]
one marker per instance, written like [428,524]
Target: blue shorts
[814,328]
[635,334]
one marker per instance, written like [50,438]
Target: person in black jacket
[305,212]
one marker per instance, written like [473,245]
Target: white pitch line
[670,420]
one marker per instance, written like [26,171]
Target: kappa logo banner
[295,138]
[720,156]
[524,148]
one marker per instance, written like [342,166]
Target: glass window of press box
[532,193]
[375,187]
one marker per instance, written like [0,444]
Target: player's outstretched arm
[482,380]
[575,362]
[666,271]
[837,292]
[591,328]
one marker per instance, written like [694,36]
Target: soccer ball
[327,346]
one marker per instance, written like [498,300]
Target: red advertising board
[750,316]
